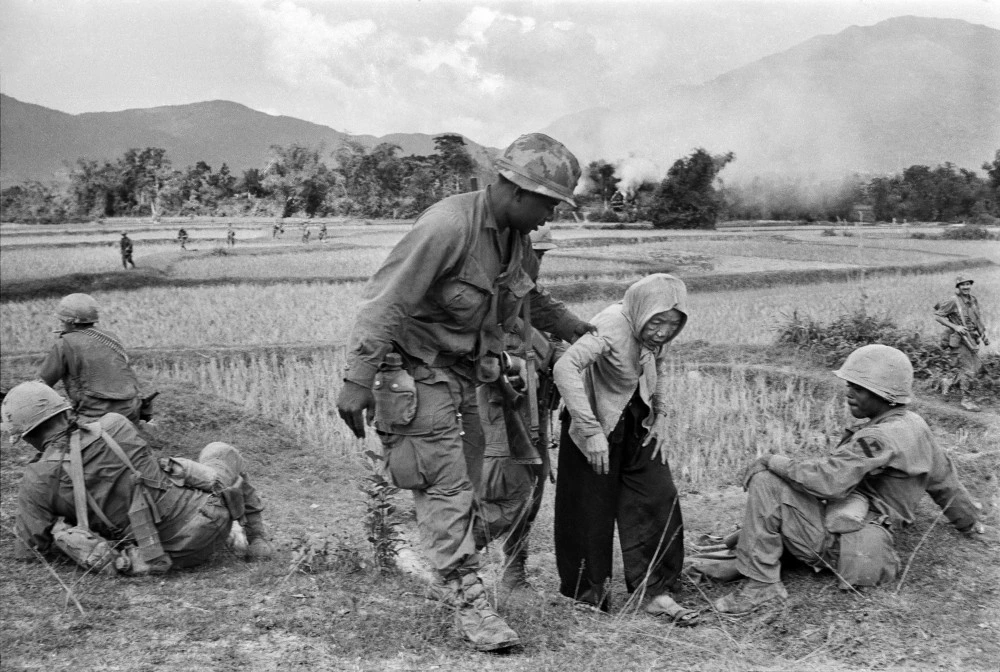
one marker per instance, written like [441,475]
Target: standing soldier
[182,238]
[305,233]
[92,363]
[964,330]
[517,431]
[322,232]
[126,247]
[430,330]
[231,236]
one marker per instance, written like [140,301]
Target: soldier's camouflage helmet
[541,164]
[28,405]
[541,239]
[78,309]
[881,369]
[962,279]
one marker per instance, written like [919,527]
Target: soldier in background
[91,362]
[964,331]
[182,238]
[322,232]
[97,493]
[126,249]
[305,233]
[231,236]
[516,460]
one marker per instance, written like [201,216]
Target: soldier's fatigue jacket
[443,299]
[95,369]
[893,460]
[445,295]
[46,493]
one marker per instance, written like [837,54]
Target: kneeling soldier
[98,494]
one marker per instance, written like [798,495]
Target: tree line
[378,183]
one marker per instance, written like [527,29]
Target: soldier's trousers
[210,524]
[438,455]
[638,493]
[779,518]
[966,365]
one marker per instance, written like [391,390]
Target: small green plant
[381,524]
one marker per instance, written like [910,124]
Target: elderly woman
[612,453]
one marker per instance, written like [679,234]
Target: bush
[828,232]
[833,342]
[967,233]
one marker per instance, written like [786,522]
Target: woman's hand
[597,453]
[658,436]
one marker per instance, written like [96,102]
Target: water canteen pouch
[87,548]
[395,394]
[847,514]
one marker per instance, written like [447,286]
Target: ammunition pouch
[189,473]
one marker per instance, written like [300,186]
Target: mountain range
[872,99]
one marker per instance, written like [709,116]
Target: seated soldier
[91,362]
[884,466]
[128,510]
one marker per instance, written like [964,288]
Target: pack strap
[140,480]
[76,476]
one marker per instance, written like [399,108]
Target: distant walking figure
[231,237]
[322,231]
[126,247]
[305,234]
[182,238]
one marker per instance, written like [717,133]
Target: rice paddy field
[252,342]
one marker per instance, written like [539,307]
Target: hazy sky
[489,70]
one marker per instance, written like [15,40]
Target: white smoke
[636,171]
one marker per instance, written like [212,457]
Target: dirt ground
[333,611]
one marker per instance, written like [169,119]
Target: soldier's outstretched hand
[356,406]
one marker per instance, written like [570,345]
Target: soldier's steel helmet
[28,405]
[541,239]
[541,164]
[962,279]
[881,369]
[78,309]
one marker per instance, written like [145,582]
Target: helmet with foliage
[541,164]
[78,309]
[880,369]
[961,279]
[541,240]
[28,405]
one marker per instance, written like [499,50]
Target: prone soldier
[97,493]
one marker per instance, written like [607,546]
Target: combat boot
[753,595]
[258,547]
[969,405]
[477,619]
[514,575]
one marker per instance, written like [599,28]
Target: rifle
[967,336]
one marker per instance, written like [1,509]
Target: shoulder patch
[870,445]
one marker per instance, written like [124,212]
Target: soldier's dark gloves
[356,406]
